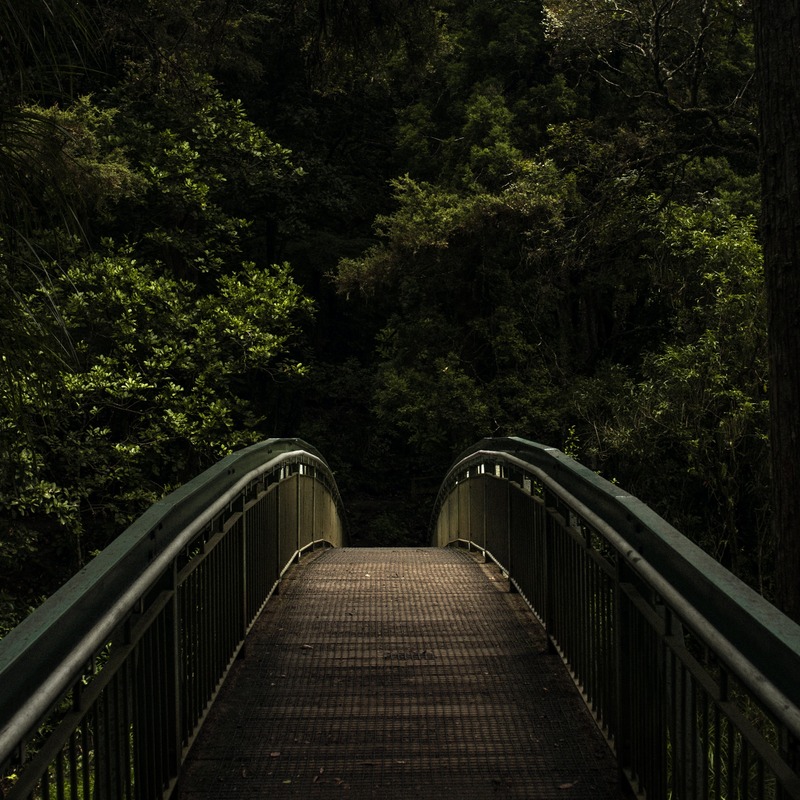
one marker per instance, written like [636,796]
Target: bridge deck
[398,673]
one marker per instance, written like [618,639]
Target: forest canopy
[391,228]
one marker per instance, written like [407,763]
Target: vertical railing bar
[45,784]
[313,507]
[705,741]
[651,708]
[297,516]
[254,559]
[216,590]
[663,778]
[152,713]
[633,718]
[224,582]
[127,722]
[192,657]
[231,601]
[205,620]
[581,612]
[173,675]
[510,566]
[123,738]
[73,765]
[731,760]
[484,521]
[595,620]
[60,775]
[744,771]
[202,622]
[234,599]
[611,662]
[673,721]
[151,710]
[695,737]
[189,655]
[689,734]
[86,758]
[249,578]
[588,620]
[224,590]
[106,760]
[760,785]
[236,612]
[610,671]
[683,732]
[195,642]
[143,734]
[162,721]
[717,753]
[645,708]
[653,744]
[597,633]
[623,676]
[199,618]
[116,737]
[209,631]
[581,618]
[167,705]
[219,589]
[277,543]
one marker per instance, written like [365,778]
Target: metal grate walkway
[394,673]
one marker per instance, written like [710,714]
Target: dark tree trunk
[777,26]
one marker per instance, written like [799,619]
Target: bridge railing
[104,687]
[692,676]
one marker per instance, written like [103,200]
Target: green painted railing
[693,677]
[104,687]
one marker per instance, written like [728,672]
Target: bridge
[558,639]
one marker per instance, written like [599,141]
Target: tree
[146,329]
[687,431]
[778,54]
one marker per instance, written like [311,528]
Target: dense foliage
[392,228]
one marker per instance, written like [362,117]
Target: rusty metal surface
[393,673]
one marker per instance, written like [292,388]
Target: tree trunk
[777,26]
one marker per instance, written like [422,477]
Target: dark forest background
[390,228]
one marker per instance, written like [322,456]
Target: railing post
[622,734]
[313,508]
[239,506]
[485,483]
[549,571]
[468,493]
[277,543]
[157,700]
[298,514]
[511,586]
[173,648]
[789,747]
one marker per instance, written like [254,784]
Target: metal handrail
[41,659]
[752,639]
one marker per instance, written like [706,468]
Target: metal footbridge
[558,639]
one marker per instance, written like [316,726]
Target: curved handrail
[41,657]
[762,640]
